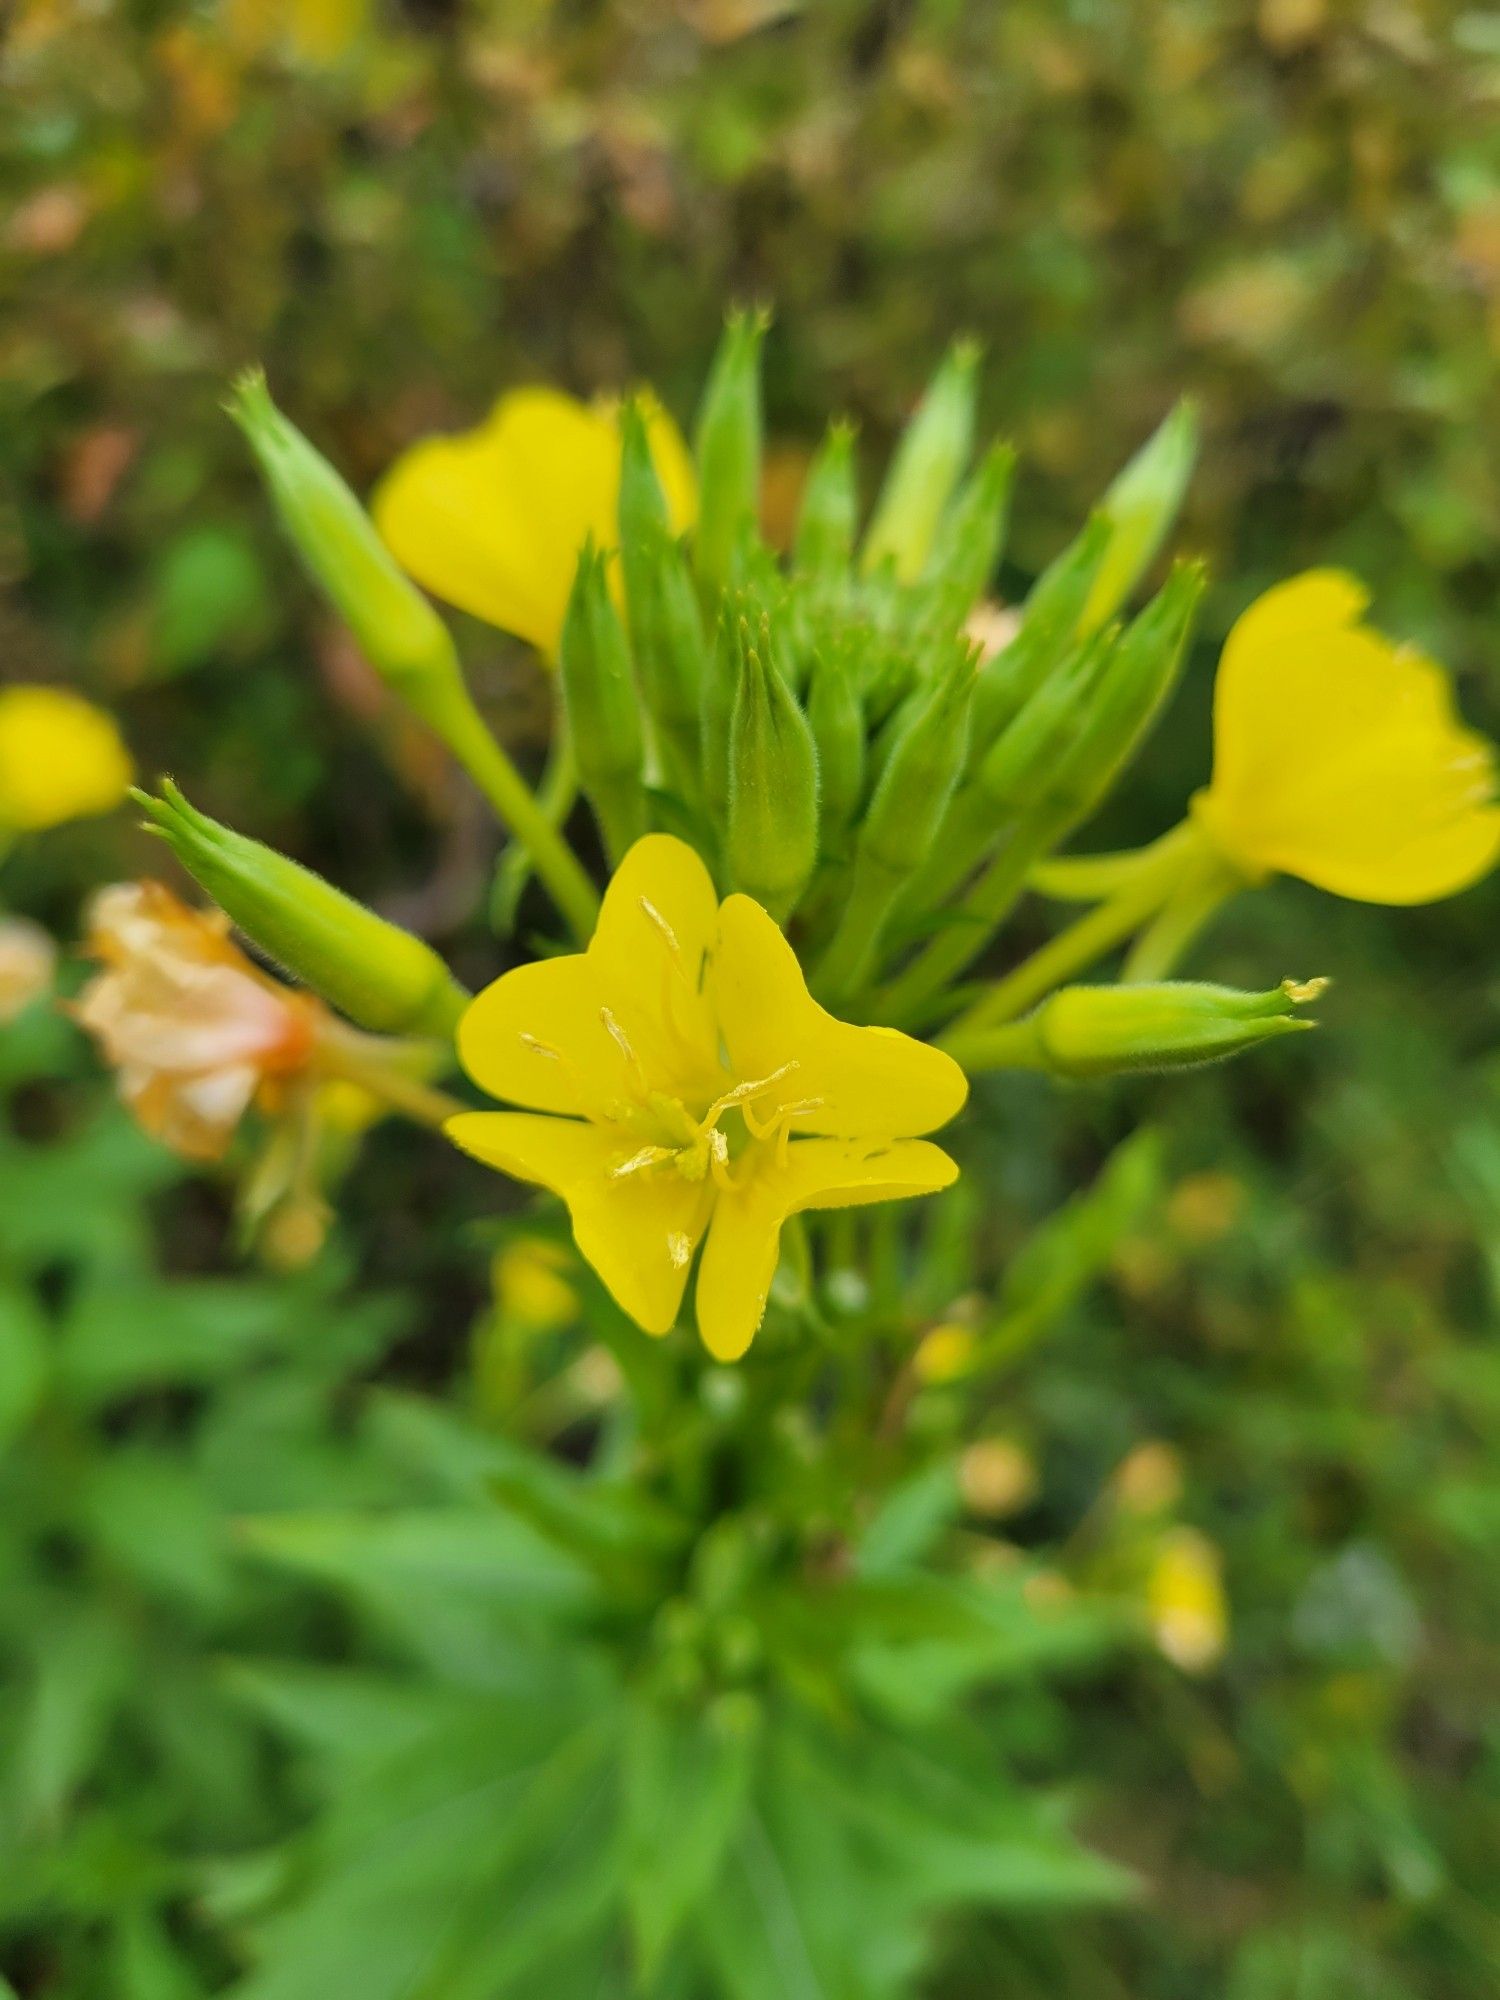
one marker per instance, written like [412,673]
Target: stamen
[718,1164]
[648,1156]
[622,1042]
[587,1094]
[788,1113]
[655,916]
[742,1092]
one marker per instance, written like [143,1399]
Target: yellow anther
[718,1162]
[621,1040]
[648,1156]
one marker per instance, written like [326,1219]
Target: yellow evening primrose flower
[1185,1601]
[60,759]
[1338,755]
[493,520]
[681,1084]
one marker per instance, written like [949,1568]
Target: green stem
[556,795]
[1013,1045]
[1090,878]
[1084,941]
[913,996]
[469,737]
[849,956]
[1161,947]
[375,1065]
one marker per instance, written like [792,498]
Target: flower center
[699,1148]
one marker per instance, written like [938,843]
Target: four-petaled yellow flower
[493,520]
[681,1082]
[1338,755]
[60,759]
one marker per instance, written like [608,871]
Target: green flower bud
[643,506]
[901,822]
[1048,634]
[720,684]
[381,976]
[1141,671]
[829,516]
[727,449]
[1091,1031]
[603,710]
[922,769]
[398,631]
[1018,765]
[666,629]
[773,785]
[1140,507]
[973,534]
[1013,774]
[838,727]
[927,465]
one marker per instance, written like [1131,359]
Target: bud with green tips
[398,631]
[604,714]
[727,448]
[1048,635]
[642,516]
[901,822]
[670,655]
[381,976]
[838,727]
[1016,770]
[928,464]
[829,515]
[1142,671]
[1140,507]
[973,535]
[721,682]
[773,784]
[1092,1031]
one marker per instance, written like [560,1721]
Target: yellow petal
[869,1082]
[638,1230]
[587,1034]
[60,759]
[493,520]
[1338,756]
[653,953]
[744,1238]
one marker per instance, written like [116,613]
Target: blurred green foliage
[1291,211]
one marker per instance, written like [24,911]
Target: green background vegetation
[1290,211]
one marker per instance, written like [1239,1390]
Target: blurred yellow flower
[531,1285]
[1338,755]
[1148,1479]
[60,759]
[28,961]
[1185,1600]
[943,1353]
[313,31]
[666,1069]
[996,1477]
[192,1028]
[493,520]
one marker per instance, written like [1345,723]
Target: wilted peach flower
[28,959]
[194,1030]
